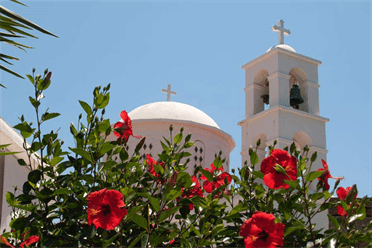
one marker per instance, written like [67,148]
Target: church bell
[295,97]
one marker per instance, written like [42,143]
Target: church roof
[283,46]
[172,111]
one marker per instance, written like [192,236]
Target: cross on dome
[169,92]
[280,29]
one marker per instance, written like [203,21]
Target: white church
[281,103]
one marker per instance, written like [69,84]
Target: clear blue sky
[199,47]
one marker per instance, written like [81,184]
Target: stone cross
[280,29]
[169,92]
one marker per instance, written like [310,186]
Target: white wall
[14,175]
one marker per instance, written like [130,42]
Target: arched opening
[301,139]
[298,92]
[261,79]
[261,149]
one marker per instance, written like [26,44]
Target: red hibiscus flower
[342,194]
[324,178]
[4,241]
[29,241]
[273,178]
[191,192]
[218,180]
[261,231]
[151,162]
[105,208]
[123,129]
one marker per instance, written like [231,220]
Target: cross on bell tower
[280,29]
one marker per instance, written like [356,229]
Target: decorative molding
[279,140]
[253,86]
[318,149]
[282,108]
[280,50]
[312,84]
[278,74]
[211,129]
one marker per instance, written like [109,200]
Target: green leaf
[8,153]
[334,221]
[10,199]
[139,220]
[313,157]
[313,175]
[139,145]
[101,101]
[34,176]
[237,209]
[144,240]
[254,158]
[167,213]
[10,71]
[178,138]
[30,78]
[106,147]
[153,201]
[207,174]
[82,153]
[19,18]
[34,102]
[292,184]
[188,144]
[104,125]
[135,241]
[21,162]
[63,191]
[217,162]
[291,229]
[86,108]
[5,145]
[173,194]
[49,116]
[55,161]
[258,174]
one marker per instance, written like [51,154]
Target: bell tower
[282,102]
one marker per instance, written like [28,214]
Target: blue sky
[199,47]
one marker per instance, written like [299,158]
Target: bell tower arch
[270,82]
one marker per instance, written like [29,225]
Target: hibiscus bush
[97,195]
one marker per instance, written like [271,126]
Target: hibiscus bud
[173,179]
[280,169]
[258,142]
[171,128]
[250,151]
[47,78]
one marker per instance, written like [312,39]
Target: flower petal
[208,186]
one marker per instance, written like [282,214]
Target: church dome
[282,46]
[172,111]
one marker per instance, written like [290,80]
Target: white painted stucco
[282,67]
[153,121]
[14,174]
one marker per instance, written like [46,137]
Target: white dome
[172,111]
[282,46]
